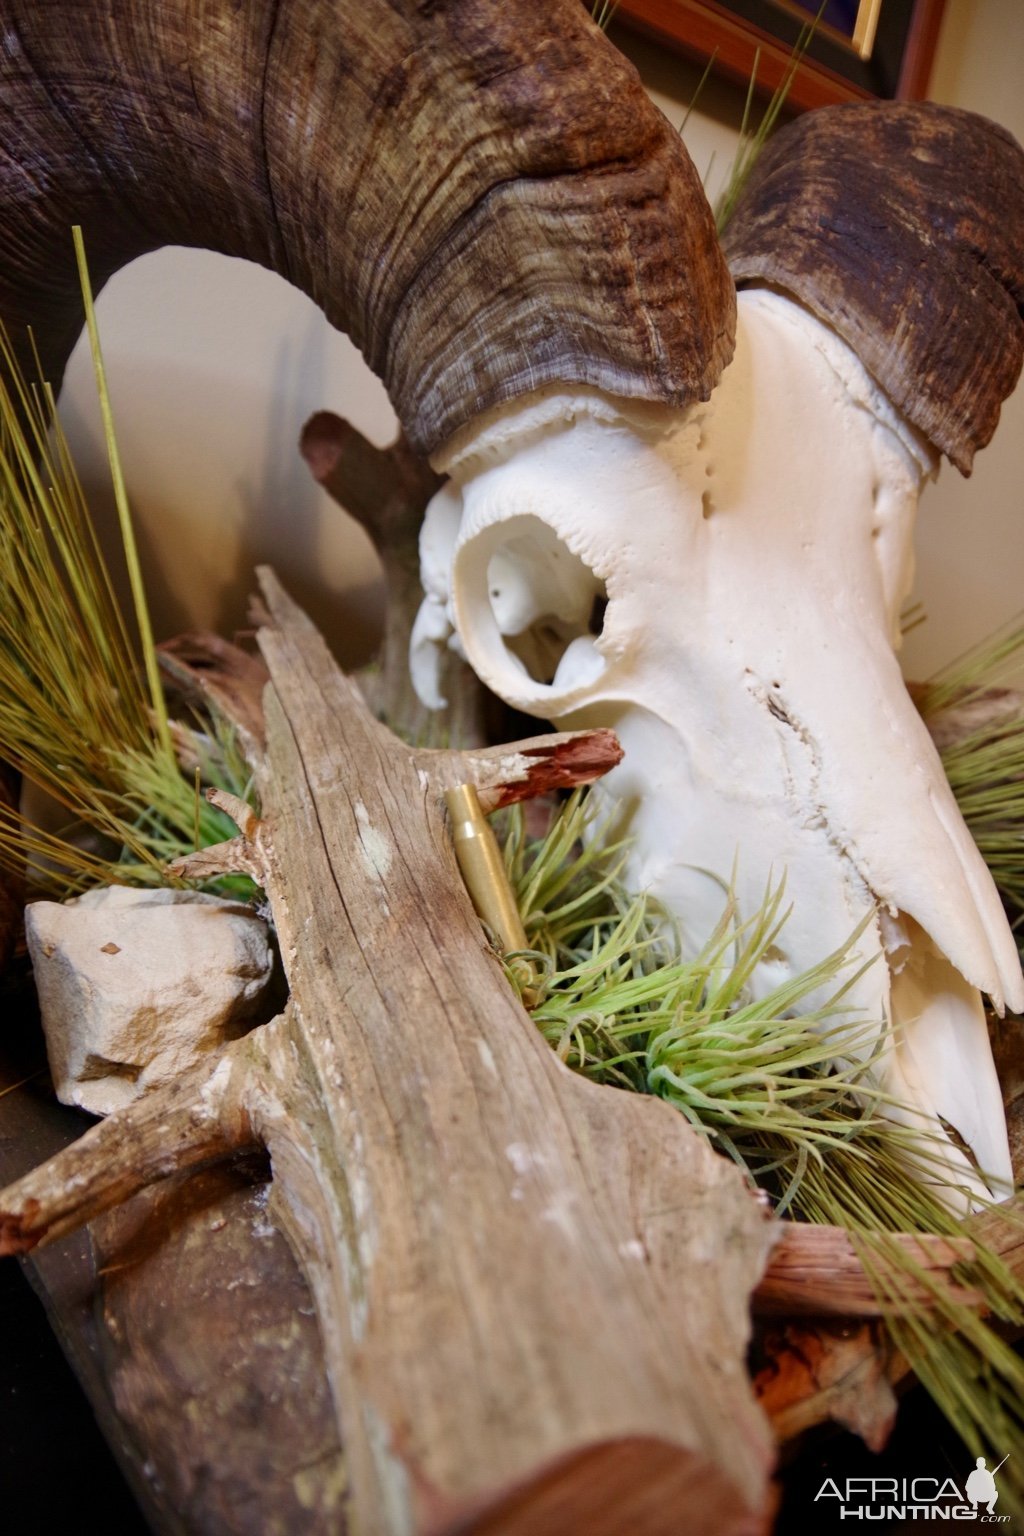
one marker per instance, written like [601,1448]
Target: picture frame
[860,49]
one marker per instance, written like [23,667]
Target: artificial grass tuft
[77,719]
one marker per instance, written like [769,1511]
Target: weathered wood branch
[539,765]
[384,489]
[190,1326]
[465,1164]
[198,1121]
[811,1271]
[845,1368]
[202,666]
[494,1246]
[816,1271]
[1002,1230]
[977,714]
[212,1354]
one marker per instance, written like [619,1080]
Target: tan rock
[136,985]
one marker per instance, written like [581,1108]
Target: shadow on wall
[214,365]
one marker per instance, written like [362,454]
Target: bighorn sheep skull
[560,242]
[722,585]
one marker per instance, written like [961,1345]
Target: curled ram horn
[901,225]
[481,196]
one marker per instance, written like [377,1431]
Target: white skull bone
[754,553]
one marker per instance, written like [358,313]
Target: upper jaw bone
[754,555]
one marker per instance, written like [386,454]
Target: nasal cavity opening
[548,605]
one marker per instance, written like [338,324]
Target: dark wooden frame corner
[736,34]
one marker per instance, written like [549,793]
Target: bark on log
[211,1352]
[495,1247]
[190,1328]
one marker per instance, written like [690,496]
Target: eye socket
[548,605]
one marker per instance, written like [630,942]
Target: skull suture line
[753,554]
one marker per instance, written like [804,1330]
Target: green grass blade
[156,696]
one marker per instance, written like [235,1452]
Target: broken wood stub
[206,670]
[387,490]
[512,1267]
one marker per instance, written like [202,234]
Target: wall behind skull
[970,541]
[215,364]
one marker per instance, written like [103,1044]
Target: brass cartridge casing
[483,868]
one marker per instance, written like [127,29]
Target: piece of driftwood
[512,1267]
[1008,1049]
[387,490]
[990,710]
[820,1365]
[224,1404]
[250,1375]
[204,669]
[213,1397]
[33,1126]
[816,1271]
[211,1352]
[190,1327]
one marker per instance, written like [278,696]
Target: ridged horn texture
[478,192]
[902,226]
